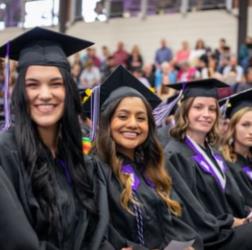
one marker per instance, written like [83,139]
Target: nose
[132,122]
[206,112]
[45,92]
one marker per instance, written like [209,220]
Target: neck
[49,138]
[242,150]
[129,153]
[197,137]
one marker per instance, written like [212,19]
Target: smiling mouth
[130,135]
[45,108]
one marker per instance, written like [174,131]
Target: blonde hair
[182,122]
[227,147]
[154,166]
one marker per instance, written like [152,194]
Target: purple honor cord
[95,111]
[7,121]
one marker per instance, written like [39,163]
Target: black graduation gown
[77,229]
[203,185]
[163,134]
[239,170]
[217,233]
[159,225]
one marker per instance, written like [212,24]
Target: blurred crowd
[189,62]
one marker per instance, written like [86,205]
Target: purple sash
[248,171]
[205,166]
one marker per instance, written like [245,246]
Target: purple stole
[207,165]
[248,171]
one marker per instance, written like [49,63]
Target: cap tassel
[95,111]
[164,109]
[223,108]
[7,121]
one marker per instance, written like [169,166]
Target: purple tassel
[164,109]
[7,121]
[95,111]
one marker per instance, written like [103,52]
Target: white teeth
[129,134]
[45,108]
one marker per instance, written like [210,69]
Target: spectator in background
[108,67]
[245,53]
[90,76]
[164,76]
[182,54]
[105,54]
[233,71]
[163,54]
[220,50]
[197,52]
[186,72]
[76,70]
[120,55]
[213,67]
[149,73]
[202,67]
[96,60]
[135,59]
[138,73]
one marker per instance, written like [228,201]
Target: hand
[189,248]
[127,248]
[238,222]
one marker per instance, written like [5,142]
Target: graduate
[217,232]
[141,209]
[237,146]
[53,188]
[192,153]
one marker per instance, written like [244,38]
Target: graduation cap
[121,83]
[205,87]
[231,104]
[40,46]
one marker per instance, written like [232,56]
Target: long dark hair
[150,152]
[37,158]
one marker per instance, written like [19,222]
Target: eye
[56,84]
[122,116]
[246,124]
[198,107]
[31,84]
[141,118]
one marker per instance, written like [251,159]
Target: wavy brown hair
[228,145]
[182,122]
[154,165]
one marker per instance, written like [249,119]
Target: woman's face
[243,130]
[202,115]
[46,93]
[129,125]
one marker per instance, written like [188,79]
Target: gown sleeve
[16,231]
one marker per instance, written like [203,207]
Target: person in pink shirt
[120,55]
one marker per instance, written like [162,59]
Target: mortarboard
[40,46]
[205,87]
[119,84]
[235,102]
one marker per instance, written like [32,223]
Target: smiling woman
[54,189]
[141,210]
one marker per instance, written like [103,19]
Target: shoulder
[7,140]
[97,168]
[175,146]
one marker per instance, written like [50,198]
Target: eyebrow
[128,111]
[52,79]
